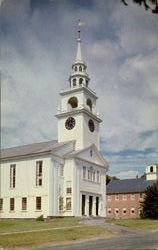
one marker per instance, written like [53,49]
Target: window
[132,197]
[98,176]
[69,190]
[141,196]
[94,175]
[39,173]
[61,203]
[124,197]
[61,170]
[88,174]
[91,152]
[68,203]
[84,172]
[116,210]
[24,203]
[109,210]
[116,198]
[151,169]
[124,210]
[75,68]
[109,198]
[73,101]
[91,172]
[80,68]
[12,175]
[38,203]
[86,82]
[80,81]
[11,204]
[132,210]
[1,204]
[74,82]
[89,104]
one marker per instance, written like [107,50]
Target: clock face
[91,125]
[70,123]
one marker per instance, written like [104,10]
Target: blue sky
[120,47]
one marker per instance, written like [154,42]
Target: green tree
[148,4]
[110,178]
[150,203]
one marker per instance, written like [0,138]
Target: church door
[83,204]
[97,205]
[90,205]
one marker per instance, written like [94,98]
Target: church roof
[35,148]
[128,186]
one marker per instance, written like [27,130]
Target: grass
[146,224]
[7,226]
[35,239]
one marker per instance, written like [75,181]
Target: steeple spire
[79,54]
[79,76]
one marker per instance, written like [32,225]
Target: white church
[64,177]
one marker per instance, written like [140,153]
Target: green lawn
[35,239]
[7,226]
[146,224]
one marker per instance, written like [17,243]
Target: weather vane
[80,23]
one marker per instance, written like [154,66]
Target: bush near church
[150,203]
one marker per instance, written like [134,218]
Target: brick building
[124,196]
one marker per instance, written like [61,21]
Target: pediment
[92,155]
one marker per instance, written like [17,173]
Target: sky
[120,48]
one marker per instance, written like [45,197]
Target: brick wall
[124,206]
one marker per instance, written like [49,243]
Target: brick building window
[12,204]
[124,210]
[116,197]
[109,210]
[116,210]
[132,197]
[1,204]
[12,175]
[68,203]
[109,198]
[24,203]
[124,197]
[39,173]
[38,203]
[132,210]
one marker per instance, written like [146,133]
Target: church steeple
[79,76]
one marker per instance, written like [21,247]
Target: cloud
[128,174]
[120,48]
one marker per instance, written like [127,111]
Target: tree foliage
[150,203]
[148,4]
[110,178]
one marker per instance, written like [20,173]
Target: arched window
[80,81]
[89,104]
[151,169]
[73,102]
[75,68]
[86,82]
[74,82]
[80,68]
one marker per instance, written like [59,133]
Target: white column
[94,206]
[87,205]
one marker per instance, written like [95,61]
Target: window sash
[1,204]
[39,173]
[12,175]
[38,203]
[12,204]
[24,203]
[68,203]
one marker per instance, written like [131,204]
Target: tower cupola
[79,76]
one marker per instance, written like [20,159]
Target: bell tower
[77,117]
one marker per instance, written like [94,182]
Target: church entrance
[97,205]
[83,204]
[90,205]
